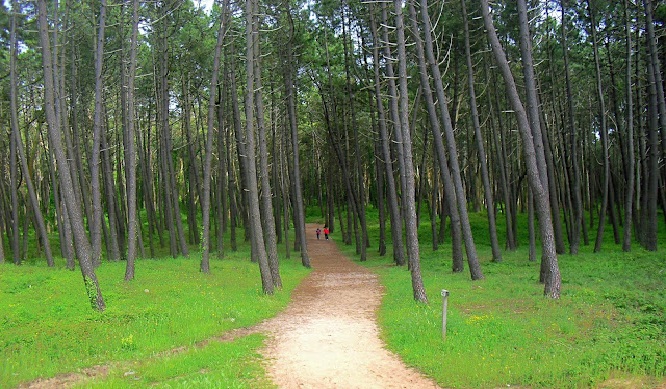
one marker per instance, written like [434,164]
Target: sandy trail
[328,335]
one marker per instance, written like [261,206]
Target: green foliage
[501,331]
[47,330]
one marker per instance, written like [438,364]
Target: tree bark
[450,173]
[483,164]
[411,228]
[16,138]
[208,159]
[575,184]
[97,220]
[82,245]
[501,158]
[397,215]
[652,194]
[191,168]
[530,227]
[130,164]
[541,144]
[223,149]
[256,234]
[171,197]
[299,211]
[113,246]
[362,238]
[268,219]
[470,247]
[552,278]
[631,164]
[13,140]
[603,133]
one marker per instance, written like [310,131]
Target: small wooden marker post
[445,297]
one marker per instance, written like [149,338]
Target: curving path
[328,336]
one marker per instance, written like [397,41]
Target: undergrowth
[47,329]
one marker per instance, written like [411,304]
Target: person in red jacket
[326,231]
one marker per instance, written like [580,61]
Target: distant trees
[145,126]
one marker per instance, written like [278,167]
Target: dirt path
[328,335]
[326,338]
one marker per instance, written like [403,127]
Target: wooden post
[445,297]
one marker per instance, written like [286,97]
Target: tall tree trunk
[4,222]
[652,194]
[208,159]
[121,198]
[147,180]
[60,211]
[346,176]
[362,239]
[82,244]
[68,241]
[61,108]
[113,245]
[500,152]
[164,148]
[450,174]
[257,234]
[541,144]
[576,195]
[530,227]
[192,169]
[456,175]
[130,164]
[384,153]
[16,139]
[233,208]
[411,229]
[267,217]
[299,211]
[631,164]
[277,199]
[171,193]
[97,220]
[483,164]
[223,192]
[240,206]
[241,145]
[552,278]
[433,207]
[284,188]
[603,133]
[397,215]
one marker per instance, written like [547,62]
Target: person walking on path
[326,231]
[318,232]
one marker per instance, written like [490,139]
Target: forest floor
[327,337]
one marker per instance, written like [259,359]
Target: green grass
[610,322]
[217,365]
[48,327]
[607,330]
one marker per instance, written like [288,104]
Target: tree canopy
[419,112]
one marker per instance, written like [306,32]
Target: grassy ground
[607,330]
[48,328]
